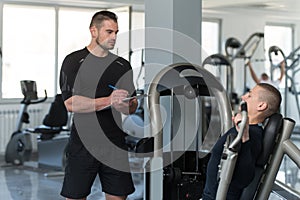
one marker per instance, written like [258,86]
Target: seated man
[262,101]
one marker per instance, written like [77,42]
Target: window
[138,47]
[36,39]
[35,49]
[279,35]
[282,37]
[72,21]
[211,44]
[77,21]
[210,37]
[28,48]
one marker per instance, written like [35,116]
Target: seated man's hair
[272,96]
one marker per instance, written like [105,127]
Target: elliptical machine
[19,147]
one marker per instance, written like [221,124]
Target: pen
[112,87]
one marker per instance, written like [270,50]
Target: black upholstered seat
[54,121]
[271,132]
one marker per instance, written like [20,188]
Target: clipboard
[126,100]
[135,97]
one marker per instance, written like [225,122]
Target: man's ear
[262,106]
[93,31]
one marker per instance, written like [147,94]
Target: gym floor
[28,182]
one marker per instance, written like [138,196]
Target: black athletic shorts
[82,169]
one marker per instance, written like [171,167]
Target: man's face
[252,98]
[107,34]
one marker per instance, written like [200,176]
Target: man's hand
[116,99]
[236,120]
[126,107]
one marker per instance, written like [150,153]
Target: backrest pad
[58,114]
[270,134]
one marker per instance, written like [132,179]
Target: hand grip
[244,106]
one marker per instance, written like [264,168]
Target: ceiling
[136,4]
[283,6]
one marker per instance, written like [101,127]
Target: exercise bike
[19,148]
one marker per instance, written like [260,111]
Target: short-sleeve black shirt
[87,75]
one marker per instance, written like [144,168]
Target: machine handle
[241,125]
[244,106]
[38,101]
[228,160]
[42,100]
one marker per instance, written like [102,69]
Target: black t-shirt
[87,75]
[244,168]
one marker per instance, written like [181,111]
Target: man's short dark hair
[272,96]
[100,16]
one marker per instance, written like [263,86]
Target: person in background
[264,78]
[94,82]
[262,101]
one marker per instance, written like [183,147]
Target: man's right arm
[282,70]
[81,104]
[253,75]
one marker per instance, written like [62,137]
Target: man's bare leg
[112,197]
[107,197]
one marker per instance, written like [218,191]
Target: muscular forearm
[81,104]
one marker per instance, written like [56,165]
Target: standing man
[94,83]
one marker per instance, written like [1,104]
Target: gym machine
[175,171]
[291,71]
[234,50]
[51,143]
[221,65]
[166,174]
[19,148]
